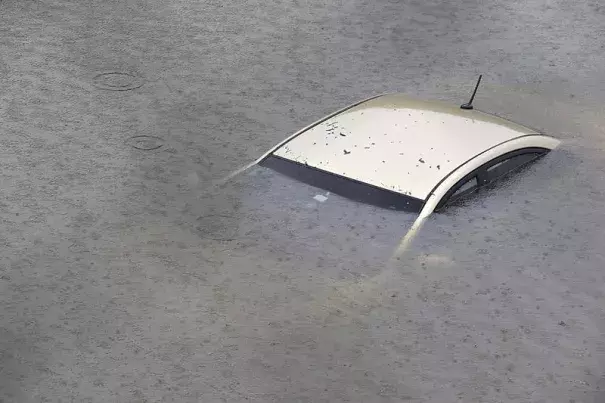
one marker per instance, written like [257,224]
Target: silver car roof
[398,143]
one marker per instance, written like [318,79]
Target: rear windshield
[346,187]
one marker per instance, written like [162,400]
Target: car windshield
[346,187]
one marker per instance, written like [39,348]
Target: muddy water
[115,285]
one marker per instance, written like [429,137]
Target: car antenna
[469,104]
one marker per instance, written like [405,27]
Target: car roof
[398,143]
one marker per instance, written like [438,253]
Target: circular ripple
[117,81]
[145,143]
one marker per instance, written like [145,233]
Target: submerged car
[334,191]
[396,152]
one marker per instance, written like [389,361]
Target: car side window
[490,172]
[459,190]
[506,165]
[465,187]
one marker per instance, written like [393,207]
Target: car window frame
[488,178]
[483,178]
[449,198]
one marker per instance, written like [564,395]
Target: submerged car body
[401,153]
[333,192]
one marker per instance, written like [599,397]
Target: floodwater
[127,275]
